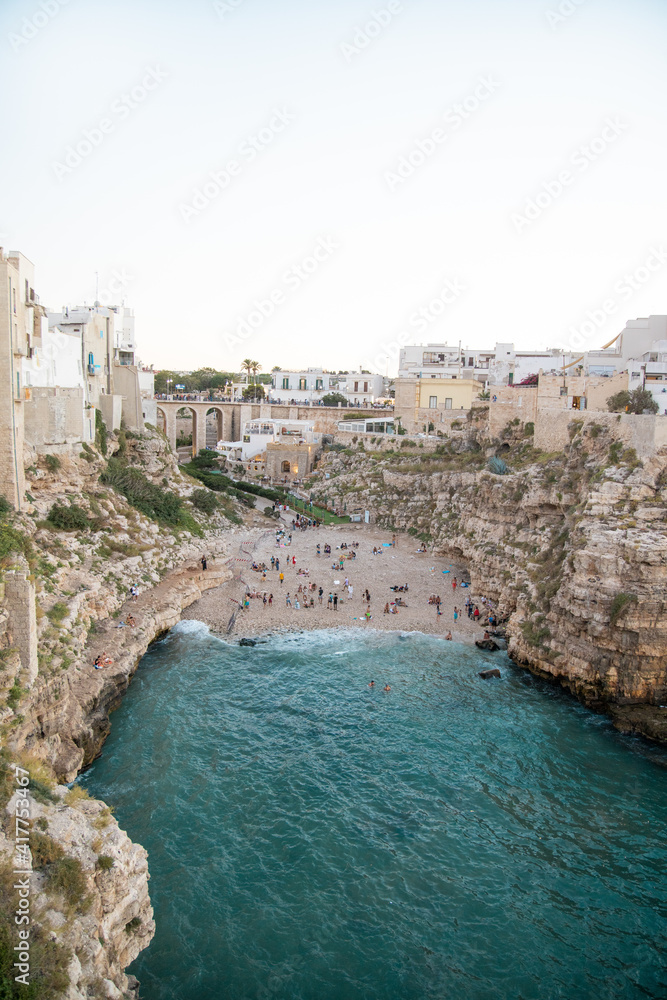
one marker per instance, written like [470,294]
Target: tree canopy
[637,401]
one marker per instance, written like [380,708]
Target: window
[303,384]
[319,384]
[448,404]
[471,362]
[432,402]
[285,383]
[285,467]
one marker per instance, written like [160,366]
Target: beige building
[432,400]
[290,461]
[553,393]
[17,327]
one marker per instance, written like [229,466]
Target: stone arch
[166,423]
[285,467]
[219,424]
[184,413]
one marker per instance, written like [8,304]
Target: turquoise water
[310,838]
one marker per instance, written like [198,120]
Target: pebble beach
[425,574]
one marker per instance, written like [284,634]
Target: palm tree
[246,366]
[256,367]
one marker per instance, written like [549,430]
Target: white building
[55,359]
[307,386]
[257,434]
[500,366]
[360,389]
[367,425]
[124,340]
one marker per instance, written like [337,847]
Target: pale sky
[317,106]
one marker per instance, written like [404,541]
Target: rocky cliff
[571,546]
[99,520]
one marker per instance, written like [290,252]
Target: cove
[312,838]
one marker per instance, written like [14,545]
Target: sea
[312,837]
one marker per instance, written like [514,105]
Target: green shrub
[72,518]
[535,633]
[619,604]
[45,851]
[52,462]
[57,613]
[132,924]
[153,501]
[66,875]
[101,434]
[105,862]
[529,429]
[14,694]
[205,501]
[497,466]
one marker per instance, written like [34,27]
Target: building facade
[307,386]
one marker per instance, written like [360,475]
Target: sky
[317,184]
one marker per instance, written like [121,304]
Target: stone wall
[19,604]
[126,384]
[111,408]
[643,432]
[55,417]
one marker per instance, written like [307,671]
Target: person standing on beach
[330,602]
[335,602]
[319,594]
[454,582]
[281,578]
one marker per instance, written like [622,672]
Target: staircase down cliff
[571,545]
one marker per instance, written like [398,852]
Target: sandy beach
[424,573]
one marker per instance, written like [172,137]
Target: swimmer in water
[372,684]
[386,688]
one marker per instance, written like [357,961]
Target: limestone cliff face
[82,577]
[55,707]
[110,922]
[572,546]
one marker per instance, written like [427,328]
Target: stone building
[431,399]
[290,460]
[19,319]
